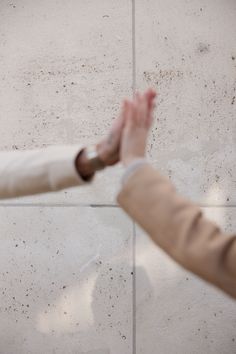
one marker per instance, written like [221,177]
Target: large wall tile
[177,312]
[64,69]
[65,281]
[187,50]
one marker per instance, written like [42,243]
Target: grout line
[217,205]
[134,288]
[84,205]
[59,205]
[134,228]
[133,48]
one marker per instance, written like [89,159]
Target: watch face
[94,159]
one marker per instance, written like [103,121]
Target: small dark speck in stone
[203,47]
[233,57]
[64,287]
[132,273]
[233,100]
[227,199]
[124,337]
[233,339]
[16,245]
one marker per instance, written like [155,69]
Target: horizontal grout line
[217,206]
[71,205]
[58,205]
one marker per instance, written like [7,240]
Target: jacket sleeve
[38,171]
[180,229]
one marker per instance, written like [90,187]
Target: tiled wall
[67,277]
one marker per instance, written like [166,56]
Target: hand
[108,149]
[138,117]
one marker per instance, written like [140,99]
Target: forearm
[178,227]
[39,171]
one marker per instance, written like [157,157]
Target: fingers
[145,106]
[127,113]
[140,110]
[150,116]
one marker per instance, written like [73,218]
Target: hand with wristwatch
[108,151]
[101,155]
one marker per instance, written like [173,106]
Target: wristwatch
[93,158]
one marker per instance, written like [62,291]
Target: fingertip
[151,93]
[125,103]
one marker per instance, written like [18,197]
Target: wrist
[128,160]
[102,153]
[83,166]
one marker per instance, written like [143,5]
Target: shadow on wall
[97,309]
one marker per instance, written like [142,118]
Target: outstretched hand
[138,118]
[109,148]
[127,138]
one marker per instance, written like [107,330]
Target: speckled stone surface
[64,69]
[176,312]
[65,281]
[66,269]
[187,50]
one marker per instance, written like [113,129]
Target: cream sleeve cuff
[132,168]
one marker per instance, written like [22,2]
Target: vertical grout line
[134,287]
[133,48]
[134,228]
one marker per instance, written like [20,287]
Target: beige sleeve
[179,228]
[38,171]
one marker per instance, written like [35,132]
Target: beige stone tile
[177,312]
[186,50]
[64,69]
[65,280]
